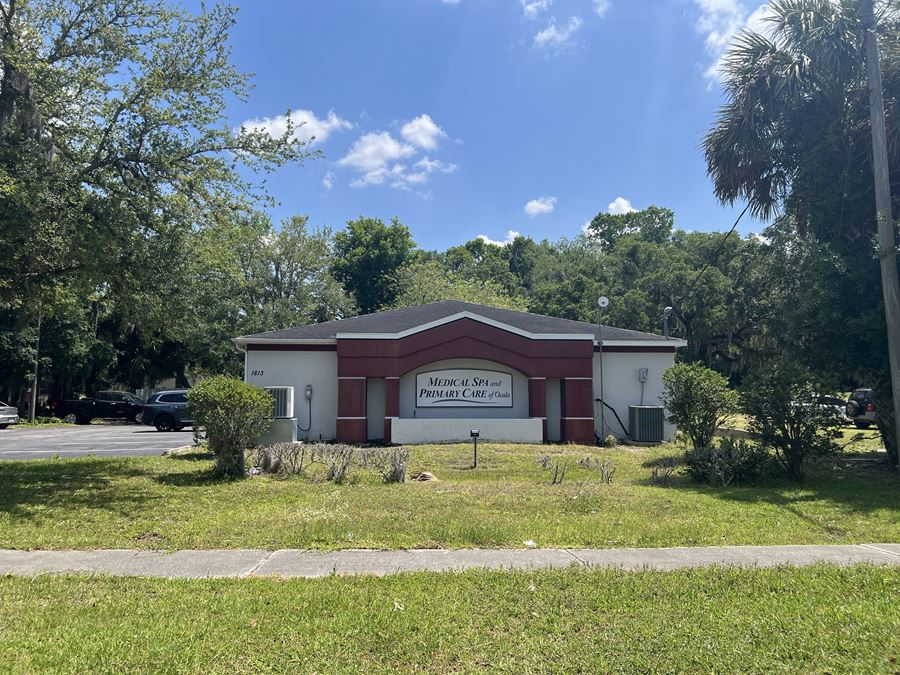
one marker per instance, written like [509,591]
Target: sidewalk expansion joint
[873,547]
[264,560]
[574,555]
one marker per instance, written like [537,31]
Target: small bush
[559,473]
[392,464]
[235,414]
[338,461]
[287,458]
[731,461]
[661,474]
[610,441]
[783,402]
[605,467]
[698,401]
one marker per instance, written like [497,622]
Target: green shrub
[731,461]
[782,401]
[698,401]
[235,414]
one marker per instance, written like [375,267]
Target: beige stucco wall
[297,369]
[623,387]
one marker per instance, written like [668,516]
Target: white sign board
[464,388]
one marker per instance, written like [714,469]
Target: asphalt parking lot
[122,440]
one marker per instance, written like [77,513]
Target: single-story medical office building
[434,372]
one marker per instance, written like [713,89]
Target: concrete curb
[243,563]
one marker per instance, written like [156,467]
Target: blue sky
[481,117]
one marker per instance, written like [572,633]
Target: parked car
[167,410]
[835,405]
[8,415]
[104,405]
[861,408]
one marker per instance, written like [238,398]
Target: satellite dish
[602,301]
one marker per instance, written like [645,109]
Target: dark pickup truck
[104,405]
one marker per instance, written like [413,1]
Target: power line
[715,256]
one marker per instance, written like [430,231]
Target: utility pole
[887,246]
[34,385]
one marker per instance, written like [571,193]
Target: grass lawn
[175,503]
[820,619]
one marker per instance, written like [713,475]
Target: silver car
[8,415]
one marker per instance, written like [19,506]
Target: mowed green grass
[176,503]
[820,619]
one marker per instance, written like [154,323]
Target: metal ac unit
[284,401]
[646,423]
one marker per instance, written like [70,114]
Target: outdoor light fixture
[667,312]
[474,434]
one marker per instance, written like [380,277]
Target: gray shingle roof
[398,320]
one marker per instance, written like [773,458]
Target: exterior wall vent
[284,401]
[646,423]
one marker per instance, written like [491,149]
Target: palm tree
[793,139]
[793,134]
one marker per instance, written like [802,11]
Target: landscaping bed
[177,503]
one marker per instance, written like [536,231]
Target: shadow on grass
[198,456]
[192,479]
[38,488]
[85,482]
[860,490]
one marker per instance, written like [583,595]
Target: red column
[391,404]
[537,400]
[577,423]
[351,421]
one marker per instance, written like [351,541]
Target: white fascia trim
[675,344]
[466,315]
[284,341]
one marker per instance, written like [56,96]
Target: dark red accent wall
[578,398]
[468,339]
[351,398]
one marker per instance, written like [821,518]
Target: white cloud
[306,125]
[720,21]
[620,206]
[558,37]
[373,151]
[328,180]
[422,132]
[450,2]
[510,236]
[378,157]
[541,206]
[601,7]
[534,7]
[429,165]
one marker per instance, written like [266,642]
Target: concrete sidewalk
[311,564]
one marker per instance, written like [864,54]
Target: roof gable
[409,320]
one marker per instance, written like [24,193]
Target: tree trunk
[795,465]
[230,464]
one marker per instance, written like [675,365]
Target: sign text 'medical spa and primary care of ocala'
[463,388]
